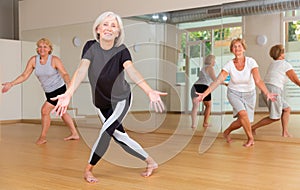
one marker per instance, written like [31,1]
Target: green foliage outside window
[294,31]
[205,35]
[195,36]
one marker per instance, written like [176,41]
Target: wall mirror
[169,49]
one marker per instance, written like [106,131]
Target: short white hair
[120,39]
[209,59]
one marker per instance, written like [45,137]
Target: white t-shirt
[241,81]
[276,74]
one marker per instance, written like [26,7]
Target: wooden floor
[269,164]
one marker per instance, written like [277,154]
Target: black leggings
[113,128]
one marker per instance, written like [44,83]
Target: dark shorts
[54,93]
[200,88]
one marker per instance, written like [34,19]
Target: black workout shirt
[106,73]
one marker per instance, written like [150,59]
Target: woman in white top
[207,75]
[277,75]
[244,75]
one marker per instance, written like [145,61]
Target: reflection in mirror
[203,31]
[169,50]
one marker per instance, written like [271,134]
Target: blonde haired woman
[53,78]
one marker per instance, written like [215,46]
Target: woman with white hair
[104,59]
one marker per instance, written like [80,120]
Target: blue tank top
[48,76]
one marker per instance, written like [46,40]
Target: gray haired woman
[206,76]
[105,59]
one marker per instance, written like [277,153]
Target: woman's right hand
[6,86]
[63,101]
[155,100]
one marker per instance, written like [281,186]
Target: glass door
[196,53]
[292,46]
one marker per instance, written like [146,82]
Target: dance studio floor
[272,163]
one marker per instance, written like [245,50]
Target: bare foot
[205,125]
[41,140]
[89,177]
[249,143]
[72,137]
[227,137]
[286,134]
[150,169]
[194,127]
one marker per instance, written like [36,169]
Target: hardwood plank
[59,165]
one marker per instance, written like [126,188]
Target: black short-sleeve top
[106,73]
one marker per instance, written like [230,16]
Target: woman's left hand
[155,100]
[200,97]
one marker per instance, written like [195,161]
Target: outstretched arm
[24,76]
[64,99]
[154,96]
[293,76]
[261,85]
[212,75]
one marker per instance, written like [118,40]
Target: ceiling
[225,10]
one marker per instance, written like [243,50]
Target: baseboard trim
[10,121]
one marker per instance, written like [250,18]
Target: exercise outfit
[241,87]
[111,96]
[50,79]
[202,84]
[275,80]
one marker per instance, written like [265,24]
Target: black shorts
[200,88]
[54,93]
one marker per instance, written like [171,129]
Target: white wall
[64,12]
[10,67]
[270,26]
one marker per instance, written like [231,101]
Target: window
[200,39]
